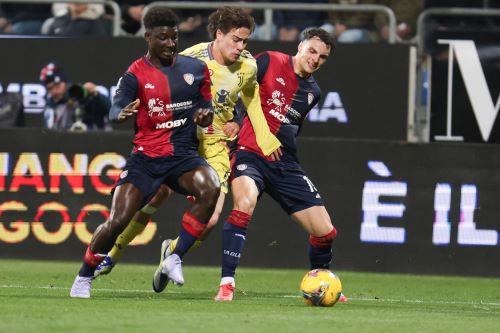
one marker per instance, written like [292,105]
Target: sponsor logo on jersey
[123,174]
[221,96]
[280,80]
[149,86]
[171,123]
[157,108]
[189,78]
[241,167]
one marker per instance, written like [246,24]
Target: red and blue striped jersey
[169,97]
[286,98]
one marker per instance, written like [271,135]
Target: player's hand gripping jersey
[169,98]
[286,99]
[227,83]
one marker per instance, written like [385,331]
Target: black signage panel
[364,87]
[465,101]
[398,207]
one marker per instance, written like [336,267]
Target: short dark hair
[160,17]
[227,18]
[322,34]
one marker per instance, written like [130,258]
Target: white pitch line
[412,301]
[93,289]
[361,299]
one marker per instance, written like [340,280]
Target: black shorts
[285,182]
[149,173]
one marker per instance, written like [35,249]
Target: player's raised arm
[250,97]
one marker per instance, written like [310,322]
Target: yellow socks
[133,229]
[173,244]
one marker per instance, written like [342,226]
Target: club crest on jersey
[280,80]
[240,79]
[189,78]
[156,107]
[310,98]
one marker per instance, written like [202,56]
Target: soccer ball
[320,287]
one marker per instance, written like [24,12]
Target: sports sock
[320,250]
[191,231]
[320,257]
[233,239]
[173,244]
[90,262]
[133,229]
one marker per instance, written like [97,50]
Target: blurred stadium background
[403,144]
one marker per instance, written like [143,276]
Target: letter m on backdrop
[475,83]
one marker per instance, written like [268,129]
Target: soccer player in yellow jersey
[233,73]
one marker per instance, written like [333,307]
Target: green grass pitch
[34,297]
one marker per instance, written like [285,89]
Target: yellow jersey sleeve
[251,99]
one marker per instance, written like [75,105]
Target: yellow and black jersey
[229,82]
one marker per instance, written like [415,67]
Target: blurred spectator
[11,110]
[192,21]
[407,12]
[457,21]
[291,23]
[132,11]
[23,19]
[435,25]
[354,26]
[261,30]
[77,20]
[72,107]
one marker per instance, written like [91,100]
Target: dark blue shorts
[285,182]
[149,173]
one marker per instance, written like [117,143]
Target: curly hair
[227,18]
[322,34]
[160,17]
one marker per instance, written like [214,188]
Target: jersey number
[311,185]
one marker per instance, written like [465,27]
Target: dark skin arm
[129,111]
[203,117]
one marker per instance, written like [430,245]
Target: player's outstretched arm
[127,112]
[266,140]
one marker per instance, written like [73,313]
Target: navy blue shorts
[285,182]
[149,173]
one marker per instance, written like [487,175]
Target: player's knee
[324,241]
[244,204]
